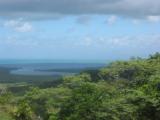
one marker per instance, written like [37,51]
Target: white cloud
[153,18]
[85,41]
[136,21]
[142,41]
[26,27]
[111,20]
[19,25]
[88,41]
[17,40]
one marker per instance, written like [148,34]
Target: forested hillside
[123,90]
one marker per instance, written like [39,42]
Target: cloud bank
[49,9]
[18,25]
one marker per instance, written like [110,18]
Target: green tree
[84,103]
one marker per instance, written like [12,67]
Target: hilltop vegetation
[124,90]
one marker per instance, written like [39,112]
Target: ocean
[49,67]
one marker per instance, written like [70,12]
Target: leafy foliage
[123,90]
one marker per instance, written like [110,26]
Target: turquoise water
[49,67]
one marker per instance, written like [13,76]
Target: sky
[79,29]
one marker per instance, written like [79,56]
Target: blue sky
[86,36]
